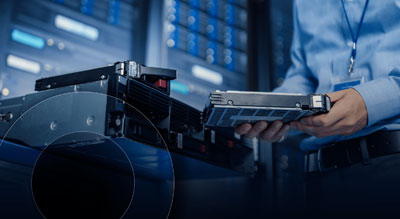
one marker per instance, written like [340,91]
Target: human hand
[269,132]
[347,116]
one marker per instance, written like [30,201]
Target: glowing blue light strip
[179,87]
[76,27]
[27,39]
[207,74]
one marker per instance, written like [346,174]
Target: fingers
[256,129]
[334,129]
[243,128]
[270,133]
[323,120]
[335,96]
[305,128]
[333,116]
[346,117]
[282,132]
[273,133]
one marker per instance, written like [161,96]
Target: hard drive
[232,108]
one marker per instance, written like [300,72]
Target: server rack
[207,41]
[50,37]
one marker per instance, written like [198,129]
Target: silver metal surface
[317,101]
[133,69]
[256,92]
[119,68]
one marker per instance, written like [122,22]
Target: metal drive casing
[232,108]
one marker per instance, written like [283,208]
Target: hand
[347,116]
[272,133]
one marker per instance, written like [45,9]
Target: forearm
[381,97]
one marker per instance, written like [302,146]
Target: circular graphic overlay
[83,180]
[85,154]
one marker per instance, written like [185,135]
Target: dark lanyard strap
[354,37]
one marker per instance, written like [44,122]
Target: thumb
[335,96]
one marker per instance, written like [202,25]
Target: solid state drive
[232,108]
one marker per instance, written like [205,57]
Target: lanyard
[354,37]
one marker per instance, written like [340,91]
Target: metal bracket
[316,101]
[133,69]
[179,139]
[136,70]
[7,117]
[120,68]
[128,68]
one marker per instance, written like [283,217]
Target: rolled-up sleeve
[298,79]
[381,97]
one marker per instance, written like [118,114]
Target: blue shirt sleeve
[381,97]
[299,78]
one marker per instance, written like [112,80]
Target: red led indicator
[161,83]
[203,148]
[230,144]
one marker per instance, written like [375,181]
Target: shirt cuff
[381,97]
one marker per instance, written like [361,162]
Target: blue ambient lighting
[180,88]
[76,27]
[27,39]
